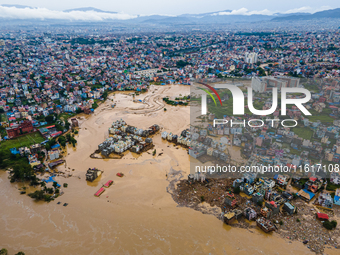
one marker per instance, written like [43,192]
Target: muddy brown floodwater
[136,215]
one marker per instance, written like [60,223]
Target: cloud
[43,13]
[322,8]
[308,9]
[301,9]
[245,11]
[12,12]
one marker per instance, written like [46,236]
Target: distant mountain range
[219,17]
[86,9]
[226,17]
[333,14]
[17,6]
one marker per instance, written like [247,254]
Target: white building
[251,58]
[53,154]
[147,72]
[335,178]
[264,84]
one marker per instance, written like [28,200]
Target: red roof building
[56,134]
[99,192]
[313,179]
[25,127]
[273,204]
[322,216]
[108,184]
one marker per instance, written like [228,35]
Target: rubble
[301,226]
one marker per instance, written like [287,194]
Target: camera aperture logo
[212,97]
[239,106]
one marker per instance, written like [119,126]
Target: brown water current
[136,215]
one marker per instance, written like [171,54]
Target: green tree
[59,127]
[328,225]
[181,63]
[1,158]
[38,194]
[15,156]
[105,94]
[47,146]
[49,118]
[68,137]
[43,184]
[261,71]
[3,251]
[73,141]
[334,223]
[94,105]
[62,140]
[22,171]
[55,185]
[67,125]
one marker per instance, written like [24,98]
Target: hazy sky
[175,7]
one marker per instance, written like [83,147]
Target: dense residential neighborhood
[49,79]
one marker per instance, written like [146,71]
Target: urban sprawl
[49,78]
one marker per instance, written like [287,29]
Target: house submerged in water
[92,174]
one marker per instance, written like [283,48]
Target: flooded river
[136,215]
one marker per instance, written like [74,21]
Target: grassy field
[7,159]
[66,116]
[25,140]
[295,152]
[220,111]
[303,132]
[323,117]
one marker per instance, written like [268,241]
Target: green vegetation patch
[305,133]
[25,140]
